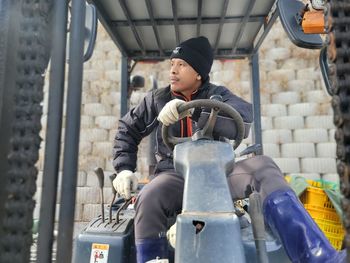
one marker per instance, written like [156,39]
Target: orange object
[330,224]
[313,22]
[322,211]
[317,197]
[320,208]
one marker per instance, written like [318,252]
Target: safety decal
[99,253]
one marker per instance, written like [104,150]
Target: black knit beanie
[198,53]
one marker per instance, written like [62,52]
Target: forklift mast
[34,32]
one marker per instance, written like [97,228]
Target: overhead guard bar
[223,14]
[176,22]
[132,25]
[199,17]
[154,26]
[238,37]
[188,21]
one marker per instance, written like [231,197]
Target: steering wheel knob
[216,97]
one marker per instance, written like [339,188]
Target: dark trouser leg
[261,172]
[157,201]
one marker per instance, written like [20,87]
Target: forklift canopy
[150,29]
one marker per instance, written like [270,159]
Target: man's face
[183,78]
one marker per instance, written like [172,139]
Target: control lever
[255,148]
[100,175]
[256,214]
[122,207]
[112,177]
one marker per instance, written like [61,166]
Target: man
[191,62]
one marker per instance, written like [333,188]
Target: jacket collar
[204,87]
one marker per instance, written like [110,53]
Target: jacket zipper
[188,119]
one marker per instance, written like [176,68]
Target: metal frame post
[255,88]
[151,158]
[124,85]
[9,13]
[71,149]
[54,126]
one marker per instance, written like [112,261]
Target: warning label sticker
[99,253]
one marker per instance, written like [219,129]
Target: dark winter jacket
[142,120]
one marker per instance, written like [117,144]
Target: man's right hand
[125,182]
[169,114]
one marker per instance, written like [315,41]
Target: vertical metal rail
[152,141]
[132,25]
[53,134]
[245,20]
[199,17]
[154,26]
[5,116]
[254,69]
[124,84]
[10,11]
[221,24]
[71,142]
[176,22]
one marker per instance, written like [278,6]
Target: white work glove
[125,182]
[171,235]
[169,114]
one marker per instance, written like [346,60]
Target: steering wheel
[207,131]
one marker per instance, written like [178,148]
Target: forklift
[35,32]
